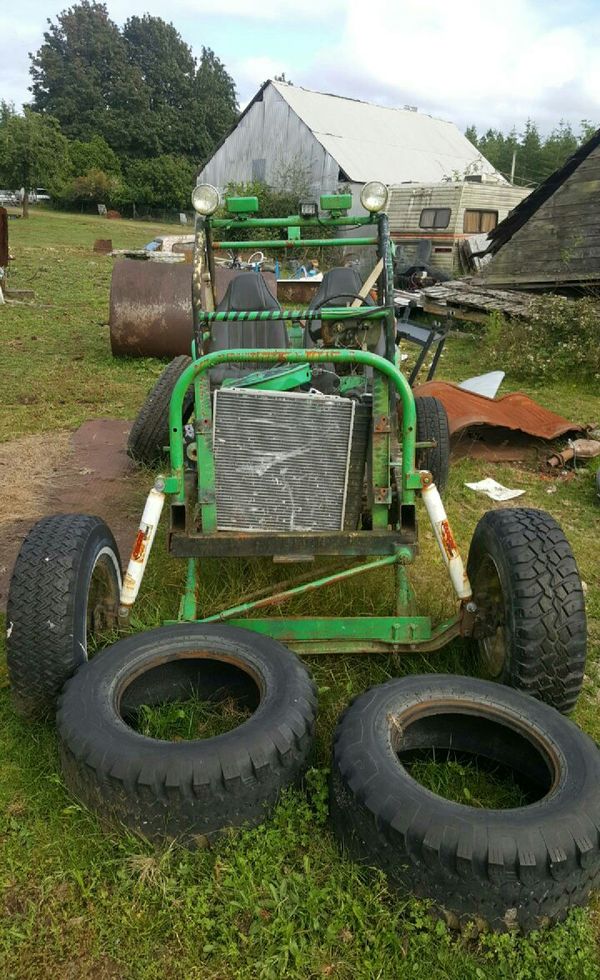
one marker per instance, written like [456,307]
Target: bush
[560,336]
[94,187]
[162,182]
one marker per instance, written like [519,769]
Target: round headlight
[205,199]
[374,196]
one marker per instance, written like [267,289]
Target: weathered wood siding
[560,243]
[408,200]
[269,139]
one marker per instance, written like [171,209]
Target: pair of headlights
[373,197]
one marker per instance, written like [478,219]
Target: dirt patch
[87,471]
[28,467]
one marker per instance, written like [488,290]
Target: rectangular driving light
[308,209]
[241,205]
[336,202]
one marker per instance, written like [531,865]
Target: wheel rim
[489,597]
[102,603]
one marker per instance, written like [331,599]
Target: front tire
[531,619]
[150,432]
[62,601]
[432,426]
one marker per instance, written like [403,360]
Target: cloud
[492,64]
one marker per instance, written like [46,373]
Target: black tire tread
[432,424]
[166,791]
[504,876]
[150,431]
[40,609]
[548,657]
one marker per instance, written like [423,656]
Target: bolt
[471,607]
[160,483]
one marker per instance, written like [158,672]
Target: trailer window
[477,222]
[434,218]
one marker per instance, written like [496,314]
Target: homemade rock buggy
[292,435]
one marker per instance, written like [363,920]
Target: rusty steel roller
[150,308]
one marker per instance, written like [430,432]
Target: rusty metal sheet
[514,411]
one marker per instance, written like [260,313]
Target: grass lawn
[278,901]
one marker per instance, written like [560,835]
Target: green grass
[193,718]
[278,901]
[464,782]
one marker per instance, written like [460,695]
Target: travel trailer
[427,221]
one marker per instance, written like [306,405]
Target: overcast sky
[491,63]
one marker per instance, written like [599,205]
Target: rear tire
[531,609]
[149,434]
[63,596]
[517,868]
[432,426]
[196,788]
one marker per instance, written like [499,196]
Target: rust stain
[448,541]
[139,546]
[514,411]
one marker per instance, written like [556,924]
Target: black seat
[247,292]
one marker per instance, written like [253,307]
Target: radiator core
[281,459]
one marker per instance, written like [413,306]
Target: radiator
[281,460]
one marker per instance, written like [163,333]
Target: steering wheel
[315,333]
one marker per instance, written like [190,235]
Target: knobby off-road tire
[186,789]
[531,605]
[519,868]
[432,425]
[64,592]
[150,432]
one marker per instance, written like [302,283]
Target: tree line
[125,116]
[535,156]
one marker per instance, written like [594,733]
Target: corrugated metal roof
[372,142]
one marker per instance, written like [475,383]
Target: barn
[287,132]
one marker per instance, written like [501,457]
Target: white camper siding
[408,201]
[270,131]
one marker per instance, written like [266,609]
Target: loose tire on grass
[63,594]
[150,432]
[186,789]
[432,426]
[519,868]
[531,617]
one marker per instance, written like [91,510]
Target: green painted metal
[335,202]
[278,597]
[294,220]
[273,379]
[188,607]
[308,629]
[380,453]
[241,205]
[296,243]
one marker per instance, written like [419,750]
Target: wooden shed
[552,239]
